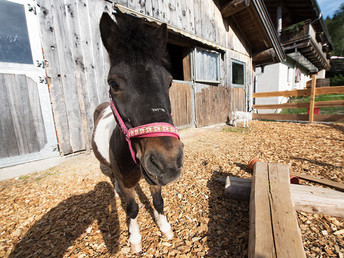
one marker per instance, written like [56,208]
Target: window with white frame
[206,65]
[238,73]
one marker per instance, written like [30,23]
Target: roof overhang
[252,18]
[299,58]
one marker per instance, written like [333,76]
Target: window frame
[234,85]
[194,68]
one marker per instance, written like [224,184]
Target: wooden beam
[233,7]
[291,93]
[268,54]
[305,198]
[298,117]
[274,230]
[312,102]
[327,182]
[318,104]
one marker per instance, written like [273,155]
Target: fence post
[312,102]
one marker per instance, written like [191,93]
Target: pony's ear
[161,35]
[108,29]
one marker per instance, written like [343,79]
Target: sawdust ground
[70,210]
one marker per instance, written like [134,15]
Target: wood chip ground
[70,210]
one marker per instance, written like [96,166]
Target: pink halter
[147,130]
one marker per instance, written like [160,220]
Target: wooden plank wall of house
[77,63]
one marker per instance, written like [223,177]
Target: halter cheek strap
[142,131]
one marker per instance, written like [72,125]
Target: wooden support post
[274,230]
[312,102]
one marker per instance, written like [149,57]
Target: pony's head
[139,86]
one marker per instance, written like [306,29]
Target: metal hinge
[40,63]
[32,9]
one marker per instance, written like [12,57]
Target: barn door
[26,123]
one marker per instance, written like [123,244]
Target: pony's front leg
[160,218]
[132,210]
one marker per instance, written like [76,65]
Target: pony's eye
[114,86]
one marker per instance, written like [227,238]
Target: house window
[206,65]
[238,73]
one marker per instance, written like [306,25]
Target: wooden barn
[53,66]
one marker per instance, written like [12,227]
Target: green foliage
[336,30]
[337,80]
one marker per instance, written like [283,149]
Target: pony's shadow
[228,224]
[61,226]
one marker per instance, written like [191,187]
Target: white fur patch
[161,220]
[103,132]
[135,237]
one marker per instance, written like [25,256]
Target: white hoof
[135,248]
[168,235]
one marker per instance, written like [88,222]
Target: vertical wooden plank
[149,8]
[261,240]
[35,106]
[312,101]
[73,21]
[100,55]
[64,42]
[88,65]
[198,17]
[190,16]
[14,100]
[286,231]
[8,142]
[25,114]
[54,77]
[157,13]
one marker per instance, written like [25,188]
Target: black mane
[137,42]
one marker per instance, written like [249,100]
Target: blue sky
[328,7]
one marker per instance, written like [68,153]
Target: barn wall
[77,63]
[76,66]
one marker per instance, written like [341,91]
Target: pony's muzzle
[162,160]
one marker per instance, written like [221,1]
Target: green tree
[336,30]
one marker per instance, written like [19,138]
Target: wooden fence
[313,91]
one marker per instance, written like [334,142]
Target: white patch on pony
[117,190]
[164,226]
[135,236]
[103,132]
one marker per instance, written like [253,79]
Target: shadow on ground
[61,226]
[228,225]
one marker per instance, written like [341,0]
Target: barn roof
[253,20]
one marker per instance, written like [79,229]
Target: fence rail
[313,91]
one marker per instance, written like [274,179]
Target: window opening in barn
[206,66]
[180,62]
[238,73]
[14,37]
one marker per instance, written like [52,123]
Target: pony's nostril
[155,163]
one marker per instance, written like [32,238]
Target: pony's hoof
[135,248]
[169,234]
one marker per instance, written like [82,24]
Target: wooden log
[305,198]
[274,230]
[327,182]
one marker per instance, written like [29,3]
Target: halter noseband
[148,130]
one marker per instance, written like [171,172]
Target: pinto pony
[134,133]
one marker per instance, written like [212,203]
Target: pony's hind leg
[132,210]
[160,218]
